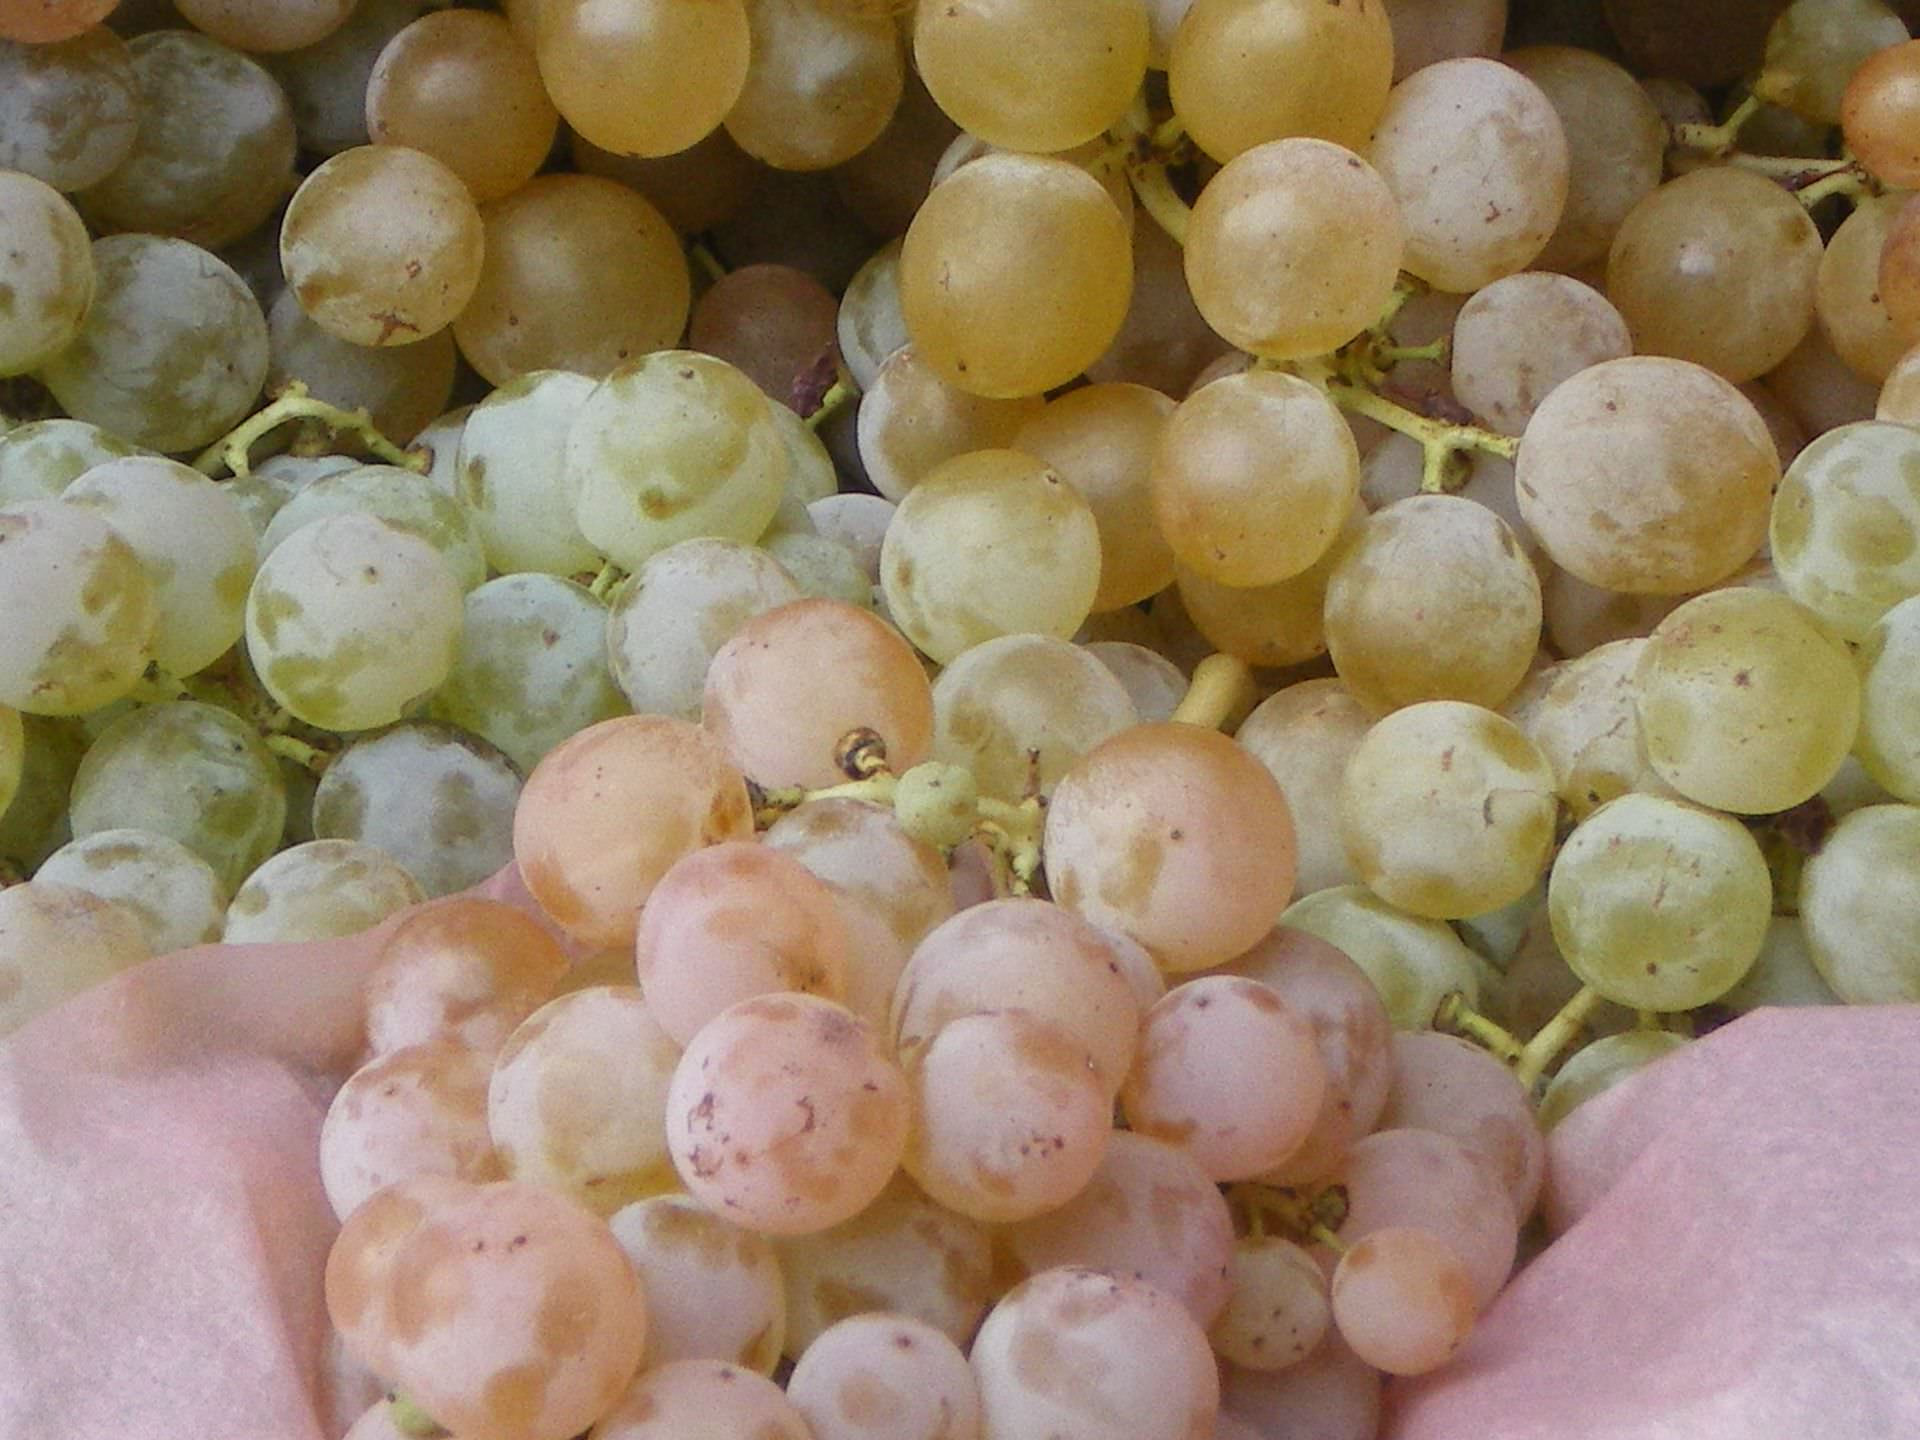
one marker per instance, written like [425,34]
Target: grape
[214,153]
[1403,1300]
[323,608]
[1717,267]
[1878,107]
[401,387]
[1596,1068]
[1899,279]
[1153,683]
[1520,337]
[696,188]
[463,969]
[13,746]
[885,1377]
[1847,291]
[1858,899]
[1816,385]
[39,459]
[1616,145]
[1175,836]
[361,1264]
[318,891]
[1889,741]
[1413,962]
[82,613]
[644,79]
[382,245]
[418,95]
[672,446]
[868,325]
[417,1111]
[1453,1087]
[1261,257]
[580,274]
[265,490]
[1149,1213]
[69,110]
[1279,1309]
[981,305]
[1253,477]
[1331,1395]
[1495,137]
[1227,1072]
[1713,892]
[191,772]
[1845,520]
[46,272]
[823,569]
[173,351]
[772,321]
[1123,1362]
[1164,341]
[1581,715]
[862,850]
[1031,76]
[786,1115]
[1243,72]
[911,420]
[56,941]
[509,474]
[326,82]
[990,543]
[1815,45]
[578,1098]
[531,668]
[607,811]
[701,1400]
[883,185]
[403,499]
[172,893]
[1783,975]
[1020,710]
[1351,1029]
[1647,475]
[1447,810]
[1304,735]
[1456,568]
[821,85]
[713,1290]
[1026,954]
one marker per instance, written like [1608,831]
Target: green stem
[1220,683]
[231,451]
[1717,138]
[299,752]
[842,393]
[1440,440]
[1156,193]
[1456,1017]
[1555,1036]
[707,261]
[410,1420]
[604,582]
[1014,832]
[1393,354]
[1846,181]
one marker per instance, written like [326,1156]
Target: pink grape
[1403,1300]
[417,1111]
[702,1400]
[713,1290]
[1331,1395]
[886,1377]
[1453,1087]
[1279,1310]
[462,968]
[862,848]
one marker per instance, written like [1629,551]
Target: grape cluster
[1099,629]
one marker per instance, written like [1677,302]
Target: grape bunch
[1115,648]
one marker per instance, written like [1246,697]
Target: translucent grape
[69,110]
[319,891]
[1261,256]
[580,274]
[382,244]
[910,421]
[1815,45]
[1815,384]
[55,942]
[1403,1300]
[1580,713]
[1244,72]
[672,446]
[403,499]
[172,893]
[863,850]
[1304,735]
[1518,338]
[578,1098]
[1878,108]
[701,1400]
[868,323]
[509,474]
[1647,475]
[1858,899]
[463,969]
[1413,962]
[1279,1310]
[713,1290]
[323,608]
[696,188]
[47,272]
[82,612]
[983,308]
[1153,683]
[773,321]
[1783,975]
[1847,290]
[197,774]
[417,1111]
[266,489]
[1175,836]
[824,569]
[821,85]
[1164,341]
[214,153]
[1453,1087]
[39,459]
[644,79]
[1714,893]
[1845,522]
[885,1377]
[1889,740]
[326,82]
[1596,1068]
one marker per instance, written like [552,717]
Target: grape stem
[1155,192]
[1849,180]
[295,403]
[1544,1048]
[1440,440]
[1718,139]
[1312,1217]
[840,394]
[1220,685]
[702,255]
[1456,1017]
[605,579]
[307,757]
[409,1419]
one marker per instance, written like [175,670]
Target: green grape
[1747,703]
[402,498]
[1448,810]
[194,541]
[318,891]
[56,941]
[440,442]
[68,111]
[1305,734]
[990,543]
[189,771]
[435,799]
[215,150]
[672,446]
[1413,962]
[1860,905]
[265,490]
[35,824]
[13,754]
[1659,905]
[821,566]
[1889,743]
[1783,975]
[1596,1068]
[1581,714]
[531,668]
[910,420]
[81,610]
[813,477]
[1270,625]
[509,469]
[1846,524]
[325,609]
[46,273]
[869,326]
[171,892]
[1814,48]
[173,351]
[402,387]
[41,458]
[650,77]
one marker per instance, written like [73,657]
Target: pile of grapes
[1117,645]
